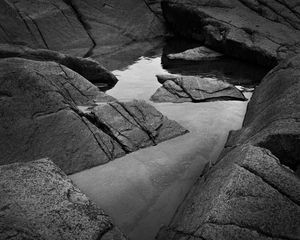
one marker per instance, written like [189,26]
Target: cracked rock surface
[49,24]
[247,195]
[262,31]
[194,89]
[40,117]
[38,201]
[253,192]
[86,67]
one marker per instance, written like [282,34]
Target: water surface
[142,190]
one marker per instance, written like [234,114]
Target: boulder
[38,201]
[48,24]
[86,67]
[272,117]
[263,32]
[196,54]
[247,195]
[194,88]
[42,115]
[135,124]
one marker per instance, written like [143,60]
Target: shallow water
[142,190]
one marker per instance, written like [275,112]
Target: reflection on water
[142,190]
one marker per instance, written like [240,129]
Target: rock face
[196,54]
[135,124]
[48,24]
[272,118]
[78,27]
[253,192]
[38,201]
[263,31]
[40,117]
[192,88]
[247,195]
[86,67]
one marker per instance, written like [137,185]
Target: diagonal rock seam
[84,24]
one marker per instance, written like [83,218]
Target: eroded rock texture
[272,118]
[78,27]
[86,67]
[48,24]
[261,31]
[38,201]
[40,117]
[247,195]
[253,192]
[194,89]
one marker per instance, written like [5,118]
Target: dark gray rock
[247,195]
[263,32]
[38,201]
[39,116]
[196,54]
[135,124]
[272,118]
[48,24]
[86,67]
[193,88]
[46,112]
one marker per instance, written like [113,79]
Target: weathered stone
[196,54]
[46,112]
[48,24]
[39,116]
[135,124]
[115,24]
[247,195]
[264,31]
[272,118]
[86,67]
[38,201]
[193,88]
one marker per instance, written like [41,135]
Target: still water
[142,190]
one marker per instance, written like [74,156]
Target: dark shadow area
[234,71]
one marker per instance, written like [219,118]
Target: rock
[196,54]
[39,116]
[38,201]
[272,118]
[46,112]
[44,24]
[193,88]
[86,67]
[247,195]
[115,24]
[135,124]
[263,32]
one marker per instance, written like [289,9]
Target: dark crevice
[84,24]
[285,147]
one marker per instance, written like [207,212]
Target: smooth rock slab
[86,67]
[38,201]
[193,88]
[196,54]
[247,195]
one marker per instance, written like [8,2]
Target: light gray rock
[38,201]
[194,88]
[263,31]
[196,54]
